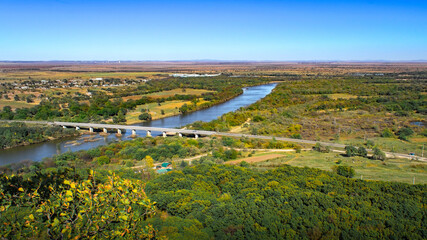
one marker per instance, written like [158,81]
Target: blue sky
[222,30]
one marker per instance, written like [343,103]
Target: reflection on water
[37,152]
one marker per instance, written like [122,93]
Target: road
[207,133]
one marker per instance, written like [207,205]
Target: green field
[15,104]
[415,145]
[396,170]
[164,94]
[170,108]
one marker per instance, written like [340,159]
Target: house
[164,167]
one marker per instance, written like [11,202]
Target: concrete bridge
[196,133]
[119,128]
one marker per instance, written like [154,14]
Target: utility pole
[422,152]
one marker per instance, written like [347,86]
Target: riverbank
[171,108]
[20,134]
[37,152]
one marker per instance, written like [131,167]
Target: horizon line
[218,60]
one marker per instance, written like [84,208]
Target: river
[37,152]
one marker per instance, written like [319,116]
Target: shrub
[404,133]
[387,133]
[244,164]
[183,164]
[378,154]
[345,171]
[297,149]
[144,116]
[361,151]
[129,164]
[258,118]
[320,148]
[351,151]
[103,160]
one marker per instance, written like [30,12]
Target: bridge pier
[148,133]
[196,136]
[91,129]
[64,127]
[133,132]
[119,131]
[164,134]
[180,134]
[77,128]
[104,130]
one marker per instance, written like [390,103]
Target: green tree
[350,151]
[103,160]
[387,133]
[361,151]
[378,154]
[345,171]
[144,116]
[404,133]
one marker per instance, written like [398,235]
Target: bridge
[196,133]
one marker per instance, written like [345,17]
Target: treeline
[102,106]
[17,134]
[226,202]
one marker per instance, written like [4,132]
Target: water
[37,152]
[420,124]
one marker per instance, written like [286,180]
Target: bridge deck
[203,133]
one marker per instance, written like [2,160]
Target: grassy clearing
[393,144]
[170,108]
[169,93]
[396,170]
[336,96]
[15,104]
[256,158]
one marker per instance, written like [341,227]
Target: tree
[387,133]
[103,160]
[145,116]
[244,164]
[345,171]
[350,151]
[378,154]
[361,151]
[149,162]
[183,164]
[404,133]
[117,208]
[184,109]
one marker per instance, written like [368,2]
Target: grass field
[170,108]
[14,104]
[397,170]
[393,144]
[169,93]
[255,159]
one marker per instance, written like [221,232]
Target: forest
[18,134]
[208,201]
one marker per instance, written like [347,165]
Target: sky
[248,30]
